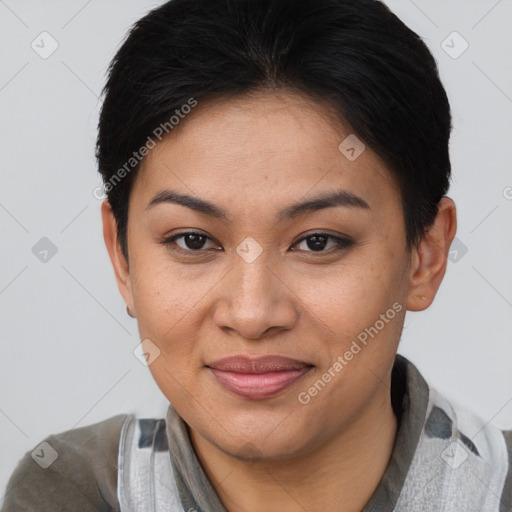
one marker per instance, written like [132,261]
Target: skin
[252,156]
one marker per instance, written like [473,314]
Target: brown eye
[191,241]
[317,242]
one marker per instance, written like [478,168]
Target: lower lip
[258,385]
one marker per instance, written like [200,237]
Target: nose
[255,301]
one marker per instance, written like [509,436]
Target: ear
[429,260]
[121,267]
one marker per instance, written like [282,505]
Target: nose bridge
[253,278]
[256,300]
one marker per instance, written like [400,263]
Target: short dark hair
[377,73]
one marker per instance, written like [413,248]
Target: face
[318,285]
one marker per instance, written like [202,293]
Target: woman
[276,175]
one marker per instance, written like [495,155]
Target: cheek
[172,301]
[161,289]
[161,296]
[361,303]
[346,295]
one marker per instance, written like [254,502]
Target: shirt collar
[409,396]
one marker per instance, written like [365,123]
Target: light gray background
[67,342]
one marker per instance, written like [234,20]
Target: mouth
[258,378]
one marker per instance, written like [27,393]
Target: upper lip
[265,364]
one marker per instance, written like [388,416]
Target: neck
[341,474]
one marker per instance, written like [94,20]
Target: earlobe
[119,263]
[429,260]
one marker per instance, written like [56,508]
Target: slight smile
[258,378]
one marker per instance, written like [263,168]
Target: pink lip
[258,378]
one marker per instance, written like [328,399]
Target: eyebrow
[316,203]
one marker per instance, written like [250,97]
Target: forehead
[270,147]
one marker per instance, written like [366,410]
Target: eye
[317,242]
[192,241]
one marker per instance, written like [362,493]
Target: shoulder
[76,468]
[478,454]
[507,491]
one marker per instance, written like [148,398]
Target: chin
[258,445]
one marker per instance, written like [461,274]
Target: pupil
[316,244]
[192,241]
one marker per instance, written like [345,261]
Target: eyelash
[341,242]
